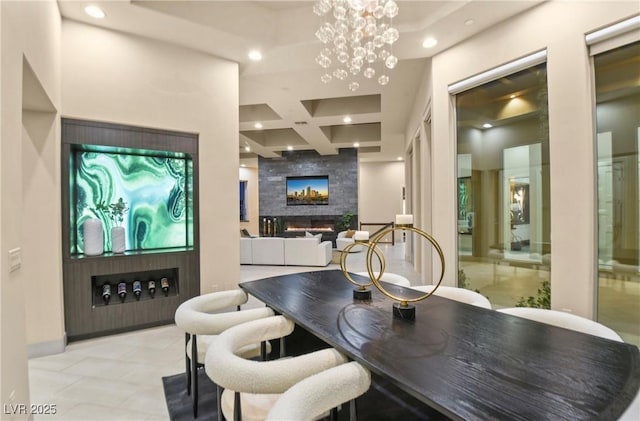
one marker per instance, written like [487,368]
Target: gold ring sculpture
[403,309]
[361,293]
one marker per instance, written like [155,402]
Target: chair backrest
[462,295]
[392,278]
[315,395]
[198,315]
[565,320]
[230,371]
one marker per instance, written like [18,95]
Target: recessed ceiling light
[429,42]
[247,148]
[94,12]
[347,120]
[258,125]
[356,145]
[242,165]
[255,55]
[289,148]
[469,22]
[487,125]
[512,96]
[399,158]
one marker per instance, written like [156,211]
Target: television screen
[310,190]
[156,186]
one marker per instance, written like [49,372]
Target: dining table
[462,361]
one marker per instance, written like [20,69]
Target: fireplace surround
[296,226]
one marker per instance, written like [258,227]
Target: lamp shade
[404,219]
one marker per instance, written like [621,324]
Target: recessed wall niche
[156,171]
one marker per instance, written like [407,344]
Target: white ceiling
[284,88]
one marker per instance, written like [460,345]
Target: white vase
[93,237]
[117,240]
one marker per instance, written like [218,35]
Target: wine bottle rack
[128,278]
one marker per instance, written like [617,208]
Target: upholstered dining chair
[579,324]
[252,387]
[462,295]
[314,396]
[392,278]
[201,319]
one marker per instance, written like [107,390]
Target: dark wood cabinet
[86,315]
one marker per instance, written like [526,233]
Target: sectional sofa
[284,251]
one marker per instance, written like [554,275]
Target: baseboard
[42,349]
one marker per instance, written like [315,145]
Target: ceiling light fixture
[356,145]
[258,126]
[399,158]
[289,148]
[512,96]
[357,35]
[243,165]
[487,125]
[247,148]
[347,120]
[94,11]
[255,55]
[429,42]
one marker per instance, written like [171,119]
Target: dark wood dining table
[465,362]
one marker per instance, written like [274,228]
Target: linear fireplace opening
[296,226]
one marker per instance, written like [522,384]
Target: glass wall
[503,207]
[617,83]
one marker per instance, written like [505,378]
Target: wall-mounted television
[308,190]
[156,185]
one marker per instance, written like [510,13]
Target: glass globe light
[353,86]
[369,72]
[326,78]
[383,80]
[391,61]
[391,9]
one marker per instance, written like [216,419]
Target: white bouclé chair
[457,294]
[579,324]
[201,319]
[252,387]
[312,397]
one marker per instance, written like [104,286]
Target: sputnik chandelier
[357,37]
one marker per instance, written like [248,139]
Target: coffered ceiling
[283,91]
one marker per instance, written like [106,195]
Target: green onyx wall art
[156,185]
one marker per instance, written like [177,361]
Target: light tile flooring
[119,377]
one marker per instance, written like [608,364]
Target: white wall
[559,27]
[253,210]
[380,191]
[115,77]
[28,31]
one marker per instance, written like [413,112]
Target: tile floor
[119,377]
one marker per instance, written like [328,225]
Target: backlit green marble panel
[156,188]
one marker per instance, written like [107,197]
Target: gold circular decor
[345,254]
[373,245]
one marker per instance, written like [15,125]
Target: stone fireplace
[296,226]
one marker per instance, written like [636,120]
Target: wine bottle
[152,288]
[164,282]
[137,289]
[122,291]
[106,293]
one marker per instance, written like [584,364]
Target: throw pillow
[307,234]
[349,233]
[318,236]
